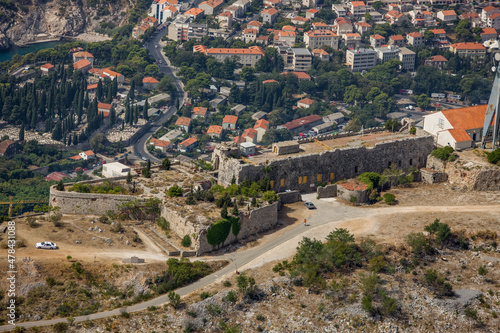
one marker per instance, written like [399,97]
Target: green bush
[174,191]
[494,156]
[389,199]
[231,296]
[186,241]
[444,153]
[162,223]
[371,179]
[440,231]
[419,244]
[175,299]
[218,232]
[437,283]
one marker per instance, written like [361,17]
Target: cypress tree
[87,99]
[132,92]
[69,140]
[115,87]
[136,114]
[109,96]
[145,110]
[99,90]
[21,133]
[34,119]
[112,116]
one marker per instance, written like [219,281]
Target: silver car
[46,245]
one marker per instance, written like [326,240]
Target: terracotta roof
[150,79]
[214,129]
[312,10]
[357,3]
[56,176]
[466,118]
[288,28]
[5,144]
[352,35]
[320,51]
[299,75]
[438,31]
[104,106]
[171,8]
[270,81]
[92,86]
[363,24]
[150,19]
[250,50]
[307,101]
[76,157]
[300,19]
[183,121]
[249,132]
[250,31]
[302,121]
[415,34]
[459,135]
[468,46]
[194,11]
[449,13]
[320,33]
[81,64]
[225,14]
[89,153]
[270,11]
[489,31]
[377,36]
[110,72]
[494,16]
[201,111]
[354,185]
[261,123]
[426,12]
[396,37]
[229,119]
[47,66]
[212,3]
[287,33]
[159,143]
[254,23]
[83,54]
[488,8]
[439,58]
[188,142]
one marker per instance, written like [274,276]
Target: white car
[46,245]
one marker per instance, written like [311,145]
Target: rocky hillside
[25,21]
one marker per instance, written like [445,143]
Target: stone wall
[430,176]
[87,203]
[252,223]
[289,197]
[344,163]
[347,194]
[328,191]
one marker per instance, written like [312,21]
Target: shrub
[260,317]
[389,198]
[482,270]
[186,241]
[231,296]
[389,306]
[366,304]
[377,263]
[413,130]
[371,179]
[190,199]
[162,223]
[437,283]
[419,244]
[60,327]
[175,299]
[205,295]
[60,186]
[441,231]
[32,222]
[444,153]
[165,164]
[227,284]
[174,191]
[270,196]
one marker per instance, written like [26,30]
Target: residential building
[150,83]
[408,58]
[321,54]
[458,128]
[488,34]
[104,109]
[247,148]
[225,20]
[168,12]
[151,21]
[261,114]
[229,122]
[82,65]
[256,25]
[342,26]
[415,39]
[357,8]
[337,117]
[211,6]
[269,15]
[272,3]
[56,176]
[487,11]
[387,53]
[361,59]
[112,75]
[188,145]
[447,15]
[261,127]
[215,131]
[473,50]
[377,40]
[305,103]
[396,40]
[219,100]
[184,123]
[249,35]
[320,26]
[473,18]
[493,21]
[248,135]
[299,20]
[87,155]
[159,8]
[340,10]
[8,148]
[182,29]
[302,76]
[195,13]
[439,35]
[315,39]
[286,37]
[47,68]
[395,17]
[247,57]
[199,112]
[376,16]
[238,108]
[223,33]
[302,124]
[140,30]
[163,145]
[362,27]
[77,56]
[115,169]
[311,13]
[309,3]
[264,40]
[92,87]
[352,40]
[437,61]
[236,11]
[301,59]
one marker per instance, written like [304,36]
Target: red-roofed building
[415,39]
[229,122]
[248,135]
[437,61]
[302,124]
[76,158]
[299,20]
[321,54]
[317,38]
[261,127]
[188,144]
[489,34]
[305,103]
[353,188]
[77,56]
[104,109]
[211,6]
[82,65]
[87,155]
[488,11]
[8,148]
[311,13]
[47,68]
[225,20]
[92,87]
[473,50]
[377,40]
[447,15]
[269,15]
[300,75]
[184,123]
[215,131]
[56,176]
[493,21]
[362,27]
[199,112]
[150,83]
[270,81]
[458,128]
[439,34]
[163,145]
[195,13]
[254,25]
[320,26]
[246,57]
[357,8]
[397,40]
[249,35]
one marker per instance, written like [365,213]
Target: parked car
[46,245]
[144,159]
[309,205]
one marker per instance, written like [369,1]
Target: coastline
[89,37]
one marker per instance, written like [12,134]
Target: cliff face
[28,21]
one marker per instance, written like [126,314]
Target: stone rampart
[328,191]
[289,197]
[303,172]
[87,203]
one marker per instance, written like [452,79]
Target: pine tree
[223,212]
[21,133]
[145,110]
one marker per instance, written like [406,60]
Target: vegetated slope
[24,21]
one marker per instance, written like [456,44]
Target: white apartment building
[387,53]
[408,58]
[314,39]
[361,59]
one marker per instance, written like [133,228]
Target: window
[318,177]
[441,123]
[300,180]
[304,180]
[282,182]
[332,175]
[272,183]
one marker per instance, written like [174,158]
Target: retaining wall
[328,191]
[289,197]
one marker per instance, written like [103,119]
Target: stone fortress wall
[303,172]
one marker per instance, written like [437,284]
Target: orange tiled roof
[104,106]
[47,66]
[312,10]
[183,121]
[230,119]
[438,31]
[270,11]
[214,129]
[254,23]
[357,3]
[83,55]
[76,157]
[89,153]
[449,13]
[459,135]
[494,16]
[306,101]
[466,118]
[261,123]
[300,19]
[363,24]
[92,86]
[159,143]
[150,79]
[288,28]
[194,11]
[377,36]
[320,51]
[489,31]
[468,46]
[250,132]
[250,50]
[397,37]
[270,81]
[188,142]
[81,64]
[201,111]
[212,3]
[320,33]
[415,34]
[150,19]
[438,58]
[250,31]
[354,185]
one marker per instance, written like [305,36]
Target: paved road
[337,214]
[139,146]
